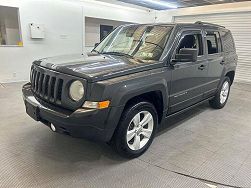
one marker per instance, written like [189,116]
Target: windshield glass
[138,41]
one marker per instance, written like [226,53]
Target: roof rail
[206,23]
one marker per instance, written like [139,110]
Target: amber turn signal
[96,105]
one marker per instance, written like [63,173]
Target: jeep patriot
[134,79]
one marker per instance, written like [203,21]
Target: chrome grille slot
[60,88]
[46,86]
[40,82]
[52,88]
[36,82]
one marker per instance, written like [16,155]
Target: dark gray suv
[138,76]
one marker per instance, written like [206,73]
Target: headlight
[76,90]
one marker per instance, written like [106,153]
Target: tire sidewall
[219,92]
[129,114]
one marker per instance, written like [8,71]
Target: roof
[196,25]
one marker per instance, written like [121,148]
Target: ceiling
[169,4]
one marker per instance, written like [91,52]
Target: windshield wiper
[95,51]
[118,54]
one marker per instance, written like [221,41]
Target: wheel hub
[224,92]
[139,130]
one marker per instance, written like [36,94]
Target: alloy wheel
[224,92]
[140,130]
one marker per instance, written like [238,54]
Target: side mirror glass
[186,55]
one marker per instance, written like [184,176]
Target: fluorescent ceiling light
[161,3]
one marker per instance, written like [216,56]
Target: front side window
[139,41]
[191,41]
[212,43]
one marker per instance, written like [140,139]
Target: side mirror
[96,44]
[186,55]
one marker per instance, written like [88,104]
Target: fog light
[53,128]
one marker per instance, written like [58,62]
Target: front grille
[51,87]
[46,86]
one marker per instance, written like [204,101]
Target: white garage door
[240,25]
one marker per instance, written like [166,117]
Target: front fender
[131,90]
[120,90]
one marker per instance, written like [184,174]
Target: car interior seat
[211,49]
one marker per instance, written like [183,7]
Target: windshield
[138,41]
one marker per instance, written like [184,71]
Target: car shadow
[177,120]
[73,150]
[67,149]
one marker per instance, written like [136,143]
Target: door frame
[202,59]
[213,86]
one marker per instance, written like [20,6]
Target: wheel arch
[231,75]
[155,97]
[148,94]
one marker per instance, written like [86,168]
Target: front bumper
[84,123]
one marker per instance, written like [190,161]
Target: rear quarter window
[228,42]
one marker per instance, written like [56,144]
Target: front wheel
[221,97]
[136,130]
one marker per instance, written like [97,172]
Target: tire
[123,141]
[217,102]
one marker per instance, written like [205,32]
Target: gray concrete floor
[198,147]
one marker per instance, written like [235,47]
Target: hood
[95,67]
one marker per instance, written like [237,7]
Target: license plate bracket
[32,111]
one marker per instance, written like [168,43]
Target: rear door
[215,60]
[189,79]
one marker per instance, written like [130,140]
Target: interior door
[189,79]
[105,30]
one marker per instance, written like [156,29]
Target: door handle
[202,67]
[222,62]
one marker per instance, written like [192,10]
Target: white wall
[59,19]
[210,9]
[163,17]
[109,11]
[64,26]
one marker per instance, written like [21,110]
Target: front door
[189,79]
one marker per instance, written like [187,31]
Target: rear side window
[213,42]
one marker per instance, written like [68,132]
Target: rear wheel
[221,97]
[136,130]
